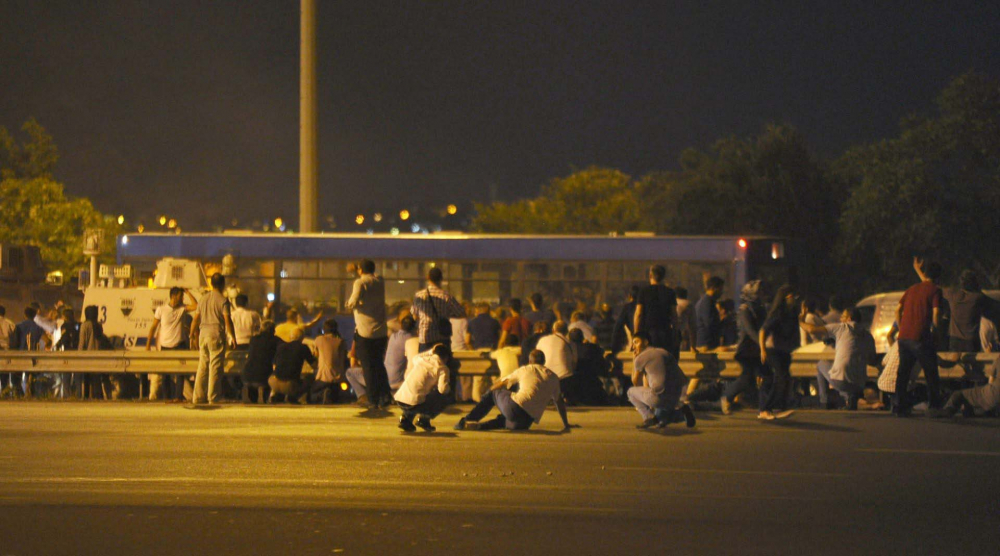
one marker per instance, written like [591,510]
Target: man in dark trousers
[370,334]
[656,312]
[919,309]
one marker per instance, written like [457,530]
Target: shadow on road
[671,431]
[375,413]
[805,425]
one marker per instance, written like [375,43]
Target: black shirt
[659,304]
[485,331]
[260,359]
[289,358]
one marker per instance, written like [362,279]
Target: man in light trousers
[213,328]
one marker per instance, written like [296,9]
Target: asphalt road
[138,478]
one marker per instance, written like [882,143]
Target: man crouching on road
[425,388]
[659,383]
[536,387]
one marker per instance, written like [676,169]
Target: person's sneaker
[765,416]
[472,425]
[648,423]
[727,406]
[407,424]
[784,414]
[424,422]
[460,425]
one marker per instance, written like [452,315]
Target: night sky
[191,107]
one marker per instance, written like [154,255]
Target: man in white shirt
[168,332]
[536,387]
[559,356]
[246,323]
[424,389]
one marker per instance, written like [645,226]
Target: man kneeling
[659,383]
[536,387]
[424,388]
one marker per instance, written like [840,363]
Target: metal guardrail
[700,365]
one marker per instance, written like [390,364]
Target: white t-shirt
[246,323]
[424,373]
[806,338]
[558,355]
[537,386]
[171,333]
[459,326]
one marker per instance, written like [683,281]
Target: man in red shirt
[515,325]
[919,310]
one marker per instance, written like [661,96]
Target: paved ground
[113,478]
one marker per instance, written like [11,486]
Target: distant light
[742,243]
[284,273]
[171,223]
[452,209]
[163,221]
[234,222]
[124,240]
[777,250]
[402,281]
[343,386]
[377,217]
[141,228]
[370,231]
[404,214]
[150,283]
[415,228]
[359,219]
[394,231]
[270,297]
[279,224]
[121,219]
[177,230]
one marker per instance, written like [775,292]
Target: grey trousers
[646,401]
[211,353]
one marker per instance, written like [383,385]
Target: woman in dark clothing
[749,319]
[780,336]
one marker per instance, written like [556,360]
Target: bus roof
[436,246]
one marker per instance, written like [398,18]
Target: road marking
[730,471]
[928,452]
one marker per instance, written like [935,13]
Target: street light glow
[121,219]
[140,228]
[404,214]
[359,219]
[163,221]
[452,209]
[377,217]
[278,222]
[171,223]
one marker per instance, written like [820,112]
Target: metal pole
[307,120]
[93,270]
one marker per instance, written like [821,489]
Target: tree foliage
[591,201]
[34,209]
[934,190]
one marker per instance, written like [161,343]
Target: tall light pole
[308,171]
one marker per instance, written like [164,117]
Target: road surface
[140,478]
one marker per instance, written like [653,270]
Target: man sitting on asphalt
[425,388]
[659,383]
[536,387]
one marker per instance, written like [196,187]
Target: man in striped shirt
[431,306]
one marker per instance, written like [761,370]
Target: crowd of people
[566,353]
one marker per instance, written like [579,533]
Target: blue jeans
[512,416]
[910,352]
[650,404]
[824,382]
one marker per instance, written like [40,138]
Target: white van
[879,312]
